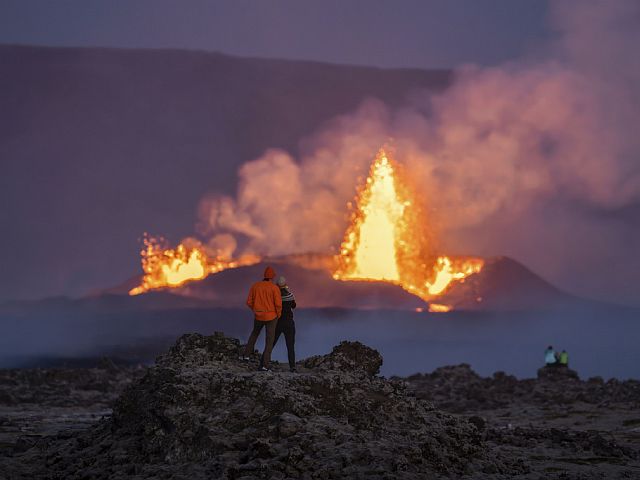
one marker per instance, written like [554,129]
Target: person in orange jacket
[266,303]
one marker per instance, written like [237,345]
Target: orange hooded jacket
[265,301]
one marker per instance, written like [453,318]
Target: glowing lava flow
[171,267]
[387,240]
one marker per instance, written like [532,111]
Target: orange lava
[439,308]
[387,239]
[165,267]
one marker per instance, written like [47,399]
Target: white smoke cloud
[497,142]
[283,206]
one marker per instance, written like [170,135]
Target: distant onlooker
[550,356]
[564,358]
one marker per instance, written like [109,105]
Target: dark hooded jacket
[288,304]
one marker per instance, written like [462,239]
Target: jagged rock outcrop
[202,413]
[348,356]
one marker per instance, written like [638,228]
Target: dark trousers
[268,339]
[289,330]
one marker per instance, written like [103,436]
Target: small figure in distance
[550,356]
[564,359]
[286,324]
[266,303]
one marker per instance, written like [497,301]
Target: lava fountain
[166,267]
[388,239]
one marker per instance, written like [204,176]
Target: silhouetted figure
[286,324]
[266,303]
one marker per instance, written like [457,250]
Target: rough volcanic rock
[557,374]
[566,428]
[459,389]
[202,413]
[575,443]
[66,387]
[353,356]
[35,403]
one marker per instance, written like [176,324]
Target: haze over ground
[100,146]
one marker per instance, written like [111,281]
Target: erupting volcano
[387,240]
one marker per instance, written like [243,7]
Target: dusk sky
[410,33]
[522,136]
[430,207]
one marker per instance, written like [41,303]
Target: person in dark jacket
[286,324]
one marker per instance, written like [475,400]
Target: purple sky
[102,134]
[408,33]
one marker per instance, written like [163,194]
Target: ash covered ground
[199,412]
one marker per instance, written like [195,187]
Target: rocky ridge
[202,413]
[459,389]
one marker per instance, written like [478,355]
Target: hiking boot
[293,370]
[264,369]
[244,358]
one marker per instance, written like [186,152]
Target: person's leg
[276,336]
[275,340]
[251,343]
[290,338]
[268,342]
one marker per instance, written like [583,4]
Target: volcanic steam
[536,159]
[387,240]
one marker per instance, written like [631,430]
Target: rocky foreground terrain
[202,413]
[561,426]
[36,403]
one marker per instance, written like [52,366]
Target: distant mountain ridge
[99,145]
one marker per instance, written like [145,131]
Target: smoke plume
[497,148]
